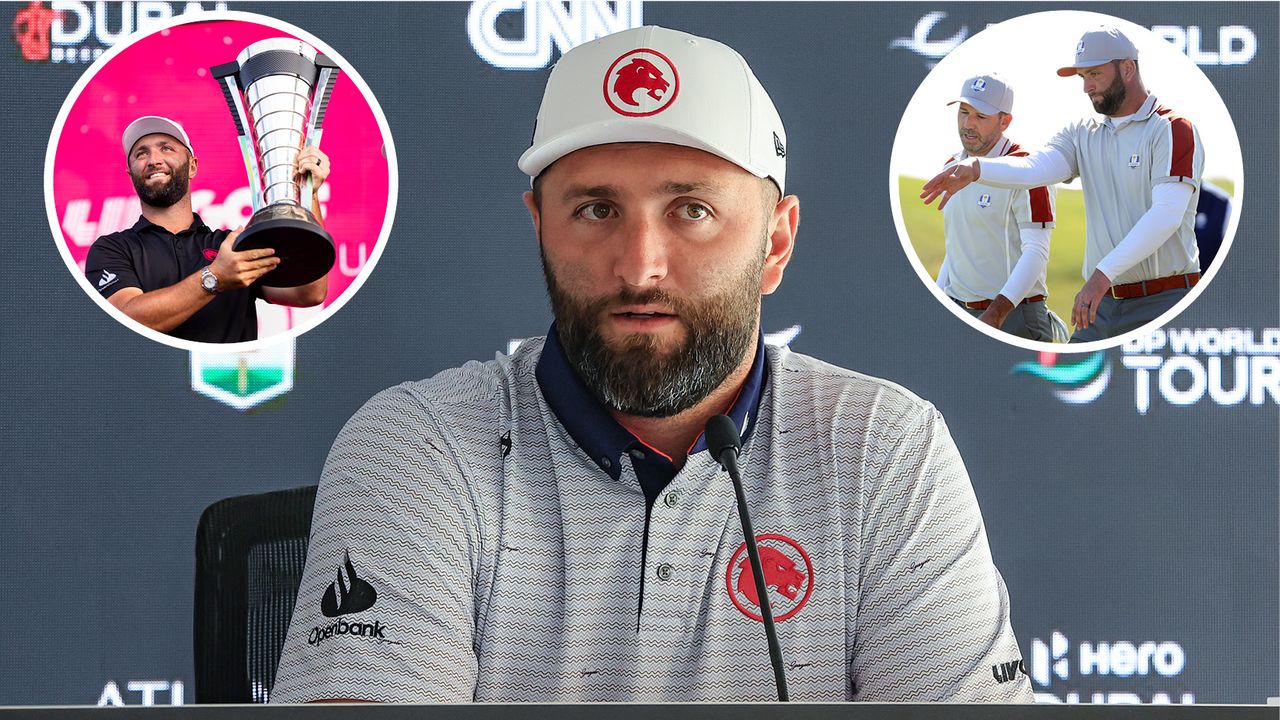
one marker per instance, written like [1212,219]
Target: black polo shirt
[149,257]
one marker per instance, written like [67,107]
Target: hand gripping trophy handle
[278,90]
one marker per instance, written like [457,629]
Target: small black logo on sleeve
[348,596]
[778,147]
[505,442]
[1006,671]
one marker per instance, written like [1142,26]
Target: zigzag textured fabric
[502,564]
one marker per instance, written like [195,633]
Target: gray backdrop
[1111,526]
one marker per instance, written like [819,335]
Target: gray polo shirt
[983,229]
[1118,164]
[465,548]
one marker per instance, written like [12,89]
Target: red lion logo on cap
[639,74]
[780,559]
[640,70]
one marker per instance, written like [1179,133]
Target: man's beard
[639,378]
[1112,98]
[167,194]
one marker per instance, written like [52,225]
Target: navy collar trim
[594,429]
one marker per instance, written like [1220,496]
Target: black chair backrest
[250,551]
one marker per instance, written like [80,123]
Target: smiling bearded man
[171,272]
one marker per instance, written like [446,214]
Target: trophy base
[305,250]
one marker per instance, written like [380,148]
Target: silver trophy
[278,90]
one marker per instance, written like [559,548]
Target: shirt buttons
[606,463]
[637,454]
[664,572]
[670,499]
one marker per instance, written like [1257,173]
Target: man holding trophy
[170,271]
[174,274]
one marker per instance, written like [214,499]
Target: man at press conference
[555,525]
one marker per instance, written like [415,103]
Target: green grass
[1066,248]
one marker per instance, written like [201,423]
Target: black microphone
[724,443]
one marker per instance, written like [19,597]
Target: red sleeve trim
[1183,151]
[1041,208]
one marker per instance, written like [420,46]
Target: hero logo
[518,34]
[1196,367]
[646,70]
[1237,44]
[78,32]
[1051,662]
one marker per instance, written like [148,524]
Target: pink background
[167,74]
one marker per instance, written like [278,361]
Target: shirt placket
[682,568]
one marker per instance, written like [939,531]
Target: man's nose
[642,251]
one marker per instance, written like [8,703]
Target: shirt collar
[145,224]
[594,429]
[1142,113]
[997,150]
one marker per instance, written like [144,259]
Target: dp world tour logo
[351,595]
[788,576]
[642,82]
[1078,382]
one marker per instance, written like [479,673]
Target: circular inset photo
[227,179]
[1066,177]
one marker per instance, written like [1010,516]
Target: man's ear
[534,215]
[782,238]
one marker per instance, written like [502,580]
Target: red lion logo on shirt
[779,572]
[787,568]
[639,73]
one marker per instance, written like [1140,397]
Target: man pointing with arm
[997,240]
[1140,169]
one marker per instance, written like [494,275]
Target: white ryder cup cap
[652,84]
[148,124]
[988,94]
[1099,47]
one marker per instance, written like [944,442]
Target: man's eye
[694,211]
[595,211]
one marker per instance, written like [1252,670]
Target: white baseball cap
[148,124]
[1099,47]
[988,94]
[652,84]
